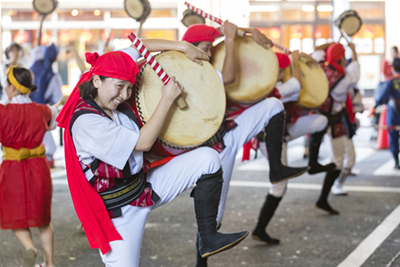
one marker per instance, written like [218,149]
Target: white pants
[251,122]
[344,155]
[304,125]
[49,145]
[168,181]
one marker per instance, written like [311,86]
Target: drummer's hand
[352,46]
[195,54]
[229,29]
[172,90]
[261,39]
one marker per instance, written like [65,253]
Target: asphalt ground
[309,237]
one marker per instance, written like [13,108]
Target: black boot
[206,200]
[322,202]
[200,261]
[267,211]
[274,138]
[396,161]
[315,143]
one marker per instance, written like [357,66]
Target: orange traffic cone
[382,140]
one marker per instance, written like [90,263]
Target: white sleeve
[220,76]
[343,87]
[53,92]
[132,52]
[319,55]
[290,90]
[102,138]
[54,113]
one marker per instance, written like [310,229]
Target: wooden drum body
[203,92]
[314,85]
[256,70]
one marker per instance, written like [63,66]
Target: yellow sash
[23,153]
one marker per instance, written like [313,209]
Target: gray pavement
[308,236]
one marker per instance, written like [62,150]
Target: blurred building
[296,24]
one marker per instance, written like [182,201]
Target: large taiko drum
[44,7]
[349,21]
[256,70]
[314,85]
[203,92]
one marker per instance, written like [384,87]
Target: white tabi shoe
[338,190]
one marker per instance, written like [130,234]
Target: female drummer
[111,191]
[267,115]
[299,123]
[25,182]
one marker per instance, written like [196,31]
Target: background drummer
[267,115]
[299,122]
[341,79]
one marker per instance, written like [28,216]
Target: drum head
[137,9]
[203,93]
[314,85]
[44,7]
[190,17]
[350,22]
[256,70]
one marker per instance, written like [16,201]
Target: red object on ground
[382,140]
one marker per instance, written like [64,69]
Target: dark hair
[196,44]
[24,77]
[13,45]
[396,64]
[87,89]
[395,49]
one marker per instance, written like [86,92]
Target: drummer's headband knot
[115,64]
[13,81]
[91,58]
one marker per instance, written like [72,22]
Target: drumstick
[281,47]
[219,21]
[154,64]
[342,35]
[211,17]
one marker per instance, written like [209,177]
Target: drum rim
[236,101]
[146,10]
[55,4]
[340,19]
[137,102]
[191,13]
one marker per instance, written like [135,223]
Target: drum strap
[217,141]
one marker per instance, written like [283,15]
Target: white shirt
[53,92]
[290,90]
[110,141]
[339,93]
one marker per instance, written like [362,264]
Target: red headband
[283,60]
[200,33]
[115,64]
[334,53]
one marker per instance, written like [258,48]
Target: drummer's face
[206,47]
[343,62]
[111,92]
[280,74]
